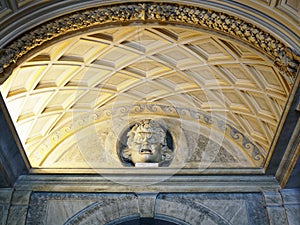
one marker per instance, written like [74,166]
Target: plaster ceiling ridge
[45,114]
[51,88]
[254,78]
[272,108]
[23,119]
[57,53]
[262,79]
[233,50]
[159,33]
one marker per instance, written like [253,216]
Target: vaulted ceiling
[69,98]
[126,66]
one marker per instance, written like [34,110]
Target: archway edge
[109,213]
[285,58]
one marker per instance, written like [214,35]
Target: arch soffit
[166,210]
[283,57]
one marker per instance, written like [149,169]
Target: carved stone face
[146,148]
[146,143]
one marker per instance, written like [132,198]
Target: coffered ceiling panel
[60,87]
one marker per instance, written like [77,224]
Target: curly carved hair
[148,126]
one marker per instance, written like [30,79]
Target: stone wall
[86,208]
[47,208]
[291,202]
[5,198]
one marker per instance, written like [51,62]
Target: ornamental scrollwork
[251,148]
[284,57]
[166,13]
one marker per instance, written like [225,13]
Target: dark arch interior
[147,221]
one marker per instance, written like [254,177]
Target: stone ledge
[149,184]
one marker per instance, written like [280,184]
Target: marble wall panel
[5,197]
[291,200]
[274,206]
[214,208]
[206,208]
[79,208]
[18,207]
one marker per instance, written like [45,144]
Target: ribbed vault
[66,99]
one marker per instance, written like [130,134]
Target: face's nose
[145,145]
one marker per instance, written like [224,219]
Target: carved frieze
[284,58]
[204,146]
[255,152]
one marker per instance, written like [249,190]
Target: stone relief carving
[253,150]
[203,144]
[147,143]
[284,58]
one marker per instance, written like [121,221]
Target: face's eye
[155,139]
[151,140]
[138,138]
[136,144]
[154,146]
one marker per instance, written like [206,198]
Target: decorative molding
[5,10]
[18,207]
[255,152]
[275,209]
[149,183]
[5,201]
[22,3]
[290,157]
[290,8]
[284,57]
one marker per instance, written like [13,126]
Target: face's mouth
[146,152]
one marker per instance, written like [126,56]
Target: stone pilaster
[5,198]
[18,209]
[146,203]
[291,201]
[275,209]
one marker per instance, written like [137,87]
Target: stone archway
[146,221]
[268,49]
[147,209]
[177,208]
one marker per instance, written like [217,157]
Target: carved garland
[283,57]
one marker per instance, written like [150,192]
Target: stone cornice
[164,13]
[150,183]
